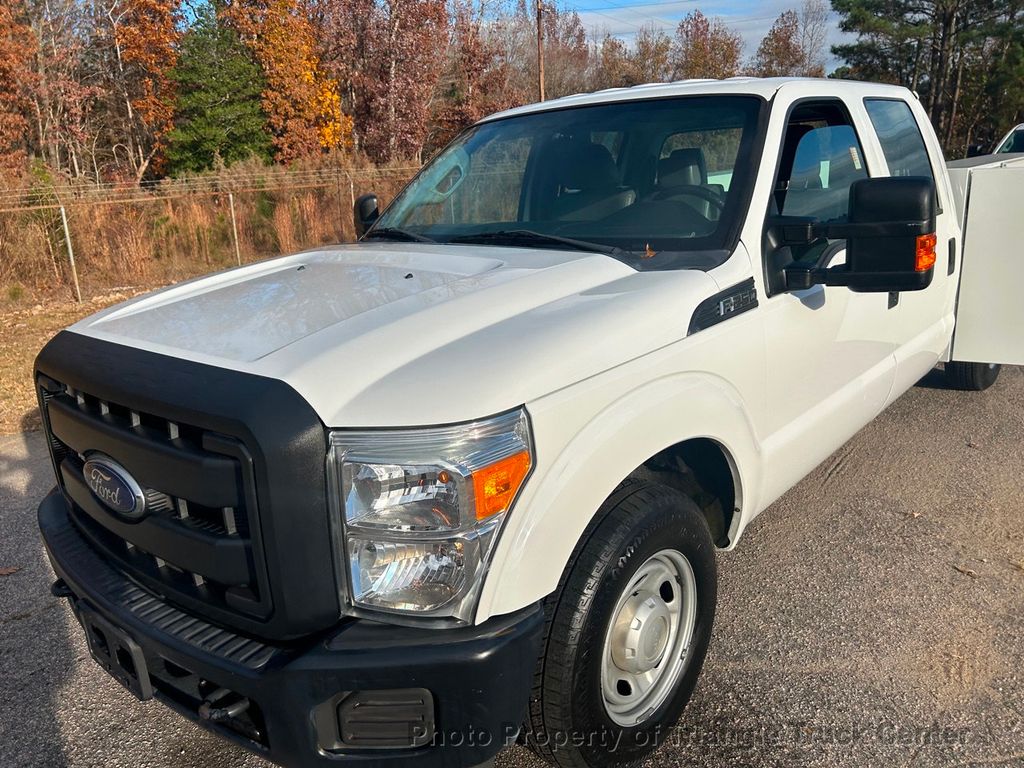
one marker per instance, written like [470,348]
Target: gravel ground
[871,617]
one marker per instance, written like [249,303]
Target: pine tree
[217,110]
[962,56]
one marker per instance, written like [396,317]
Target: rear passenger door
[920,322]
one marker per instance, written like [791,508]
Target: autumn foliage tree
[301,101]
[133,89]
[387,57]
[779,53]
[136,47]
[405,63]
[476,79]
[649,60]
[566,53]
[793,46]
[705,48]
[17,48]
[66,125]
[612,65]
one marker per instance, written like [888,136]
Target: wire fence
[47,196]
[92,237]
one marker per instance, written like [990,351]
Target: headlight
[418,511]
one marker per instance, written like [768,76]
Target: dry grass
[180,228]
[159,237]
[23,332]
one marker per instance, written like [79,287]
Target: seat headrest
[684,167]
[589,166]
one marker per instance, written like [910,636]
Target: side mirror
[365,212]
[975,150]
[890,239]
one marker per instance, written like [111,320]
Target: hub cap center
[640,633]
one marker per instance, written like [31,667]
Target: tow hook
[59,588]
[217,706]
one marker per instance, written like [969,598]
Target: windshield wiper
[394,233]
[529,237]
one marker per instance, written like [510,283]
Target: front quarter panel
[590,436]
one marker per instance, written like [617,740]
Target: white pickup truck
[403,502]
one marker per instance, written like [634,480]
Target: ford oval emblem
[112,485]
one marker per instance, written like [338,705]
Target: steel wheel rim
[648,641]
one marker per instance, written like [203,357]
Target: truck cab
[464,482]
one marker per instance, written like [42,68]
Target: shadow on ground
[36,654]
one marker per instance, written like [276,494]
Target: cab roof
[750,86]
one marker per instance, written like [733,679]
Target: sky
[750,18]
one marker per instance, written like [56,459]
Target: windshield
[640,177]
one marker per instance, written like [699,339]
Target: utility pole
[540,49]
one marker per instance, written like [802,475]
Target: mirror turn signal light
[925,258]
[496,486]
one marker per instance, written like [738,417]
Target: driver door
[830,364]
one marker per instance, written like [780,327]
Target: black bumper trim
[71,557]
[480,677]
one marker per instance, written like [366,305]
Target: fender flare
[579,471]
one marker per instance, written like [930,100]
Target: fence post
[71,254]
[345,215]
[234,228]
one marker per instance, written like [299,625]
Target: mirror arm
[801,230]
[799,278]
[875,229]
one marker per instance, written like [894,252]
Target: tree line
[113,90]
[965,58]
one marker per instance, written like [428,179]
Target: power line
[663,20]
[666,26]
[640,5]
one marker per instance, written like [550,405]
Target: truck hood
[387,334]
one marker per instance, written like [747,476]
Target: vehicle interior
[646,175]
[821,158]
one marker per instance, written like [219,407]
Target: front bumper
[304,704]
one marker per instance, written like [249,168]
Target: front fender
[584,452]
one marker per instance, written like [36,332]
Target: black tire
[972,377]
[568,724]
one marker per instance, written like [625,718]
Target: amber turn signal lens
[925,253]
[495,486]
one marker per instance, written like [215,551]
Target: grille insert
[197,541]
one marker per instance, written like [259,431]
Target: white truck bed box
[989,196]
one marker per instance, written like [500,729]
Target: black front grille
[198,542]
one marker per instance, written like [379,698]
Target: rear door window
[900,137]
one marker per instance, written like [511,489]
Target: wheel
[627,632]
[972,376]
